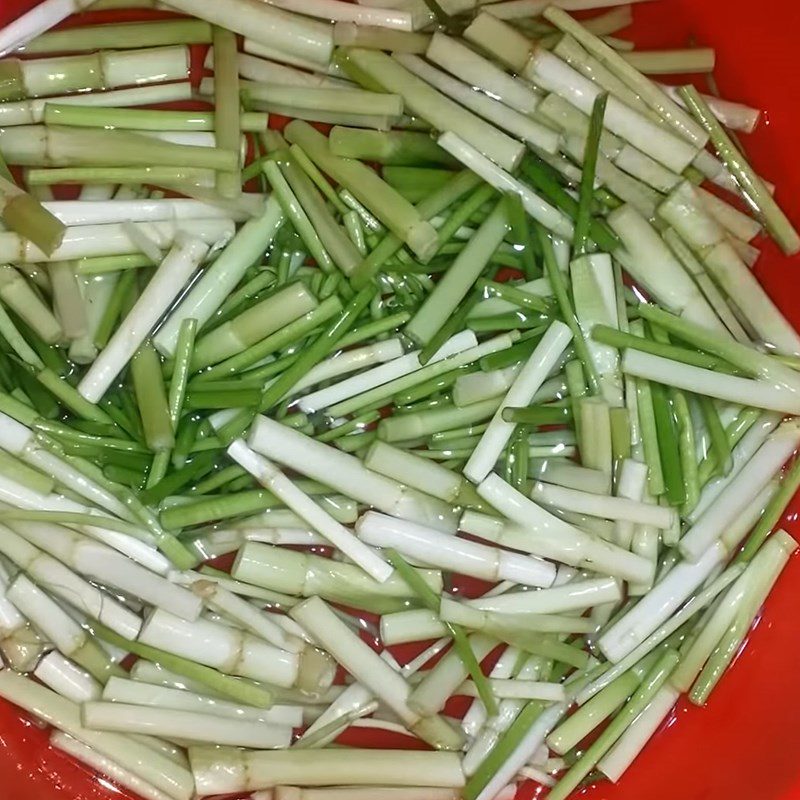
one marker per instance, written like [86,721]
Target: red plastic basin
[745,745]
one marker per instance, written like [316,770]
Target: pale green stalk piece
[151,397]
[227,127]
[23,301]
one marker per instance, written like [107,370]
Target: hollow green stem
[151,397]
[668,444]
[616,338]
[521,234]
[718,441]
[538,415]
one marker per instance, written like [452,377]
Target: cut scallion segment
[435,108]
[748,181]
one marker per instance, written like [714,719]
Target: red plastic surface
[745,745]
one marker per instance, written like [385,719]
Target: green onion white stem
[67,678]
[762,572]
[527,382]
[418,473]
[104,565]
[656,606]
[96,212]
[22,213]
[308,575]
[564,473]
[528,745]
[487,736]
[503,41]
[369,669]
[105,766]
[125,35]
[85,241]
[272,26]
[61,146]
[58,626]
[616,508]
[317,102]
[476,716]
[383,201]
[379,376]
[169,777]
[654,97]
[544,213]
[511,9]
[20,440]
[234,651]
[352,701]
[187,179]
[37,20]
[349,361]
[320,767]
[348,34]
[442,680]
[554,538]
[106,69]
[11,620]
[413,625]
[292,59]
[668,281]
[394,148]
[550,73]
[18,295]
[570,51]
[170,278]
[755,393]
[684,211]
[650,686]
[347,474]
[508,625]
[261,70]
[742,490]
[359,793]
[743,451]
[585,719]
[735,116]
[700,601]
[477,71]
[379,394]
[438,549]
[251,326]
[593,294]
[273,479]
[665,62]
[193,726]
[64,583]
[242,613]
[67,301]
[121,690]
[337,11]
[555,600]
